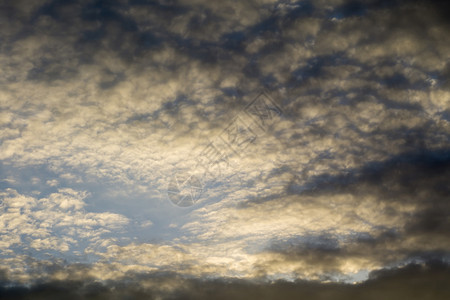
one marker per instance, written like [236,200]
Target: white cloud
[57,222]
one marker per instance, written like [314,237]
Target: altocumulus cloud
[104,103]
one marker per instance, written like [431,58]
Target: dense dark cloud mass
[414,281]
[190,149]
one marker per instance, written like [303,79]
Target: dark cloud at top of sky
[136,30]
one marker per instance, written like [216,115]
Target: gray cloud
[430,279]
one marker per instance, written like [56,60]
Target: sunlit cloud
[196,140]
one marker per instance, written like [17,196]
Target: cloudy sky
[242,149]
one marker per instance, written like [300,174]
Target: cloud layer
[106,106]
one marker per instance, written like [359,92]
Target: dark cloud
[414,281]
[417,179]
[403,174]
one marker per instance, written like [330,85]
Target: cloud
[386,213]
[430,283]
[57,222]
[119,97]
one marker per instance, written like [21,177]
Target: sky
[189,149]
